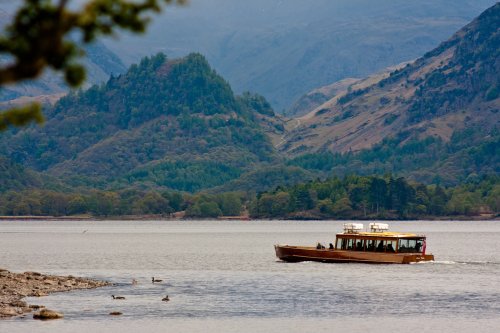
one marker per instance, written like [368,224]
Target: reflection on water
[223,276]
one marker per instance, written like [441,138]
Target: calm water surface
[223,276]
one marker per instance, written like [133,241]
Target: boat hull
[299,253]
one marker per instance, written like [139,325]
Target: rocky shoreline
[15,286]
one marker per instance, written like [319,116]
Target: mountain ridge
[417,98]
[283,49]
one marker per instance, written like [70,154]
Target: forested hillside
[15,177]
[174,124]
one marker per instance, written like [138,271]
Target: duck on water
[377,246]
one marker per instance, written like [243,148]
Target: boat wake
[479,262]
[451,262]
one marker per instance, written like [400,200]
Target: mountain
[283,49]
[164,123]
[444,106]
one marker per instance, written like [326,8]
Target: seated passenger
[359,246]
[402,249]
[390,248]
[331,246]
[418,246]
[371,246]
[380,247]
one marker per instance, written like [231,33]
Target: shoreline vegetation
[348,198]
[16,286]
[480,217]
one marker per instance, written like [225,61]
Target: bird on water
[117,297]
[155,280]
[165,299]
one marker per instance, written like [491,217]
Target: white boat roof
[381,234]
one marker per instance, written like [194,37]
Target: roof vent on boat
[379,227]
[353,228]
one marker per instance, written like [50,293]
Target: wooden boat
[378,246]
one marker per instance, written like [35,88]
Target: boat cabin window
[351,244]
[377,245]
[359,245]
[391,246]
[380,246]
[371,245]
[410,245]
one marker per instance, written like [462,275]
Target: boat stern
[417,258]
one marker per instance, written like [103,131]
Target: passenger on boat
[359,246]
[380,247]
[331,246]
[418,246]
[320,246]
[390,248]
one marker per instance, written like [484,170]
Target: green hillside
[174,124]
[15,177]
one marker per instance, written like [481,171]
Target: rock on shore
[45,314]
[15,286]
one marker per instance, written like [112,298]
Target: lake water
[223,276]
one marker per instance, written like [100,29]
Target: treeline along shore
[351,197]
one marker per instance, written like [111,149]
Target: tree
[438,201]
[103,203]
[204,208]
[271,205]
[37,38]
[302,198]
[152,203]
[230,204]
[378,192]
[342,208]
[77,205]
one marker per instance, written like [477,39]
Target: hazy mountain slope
[99,62]
[319,96]
[161,122]
[283,49]
[450,88]
[435,120]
